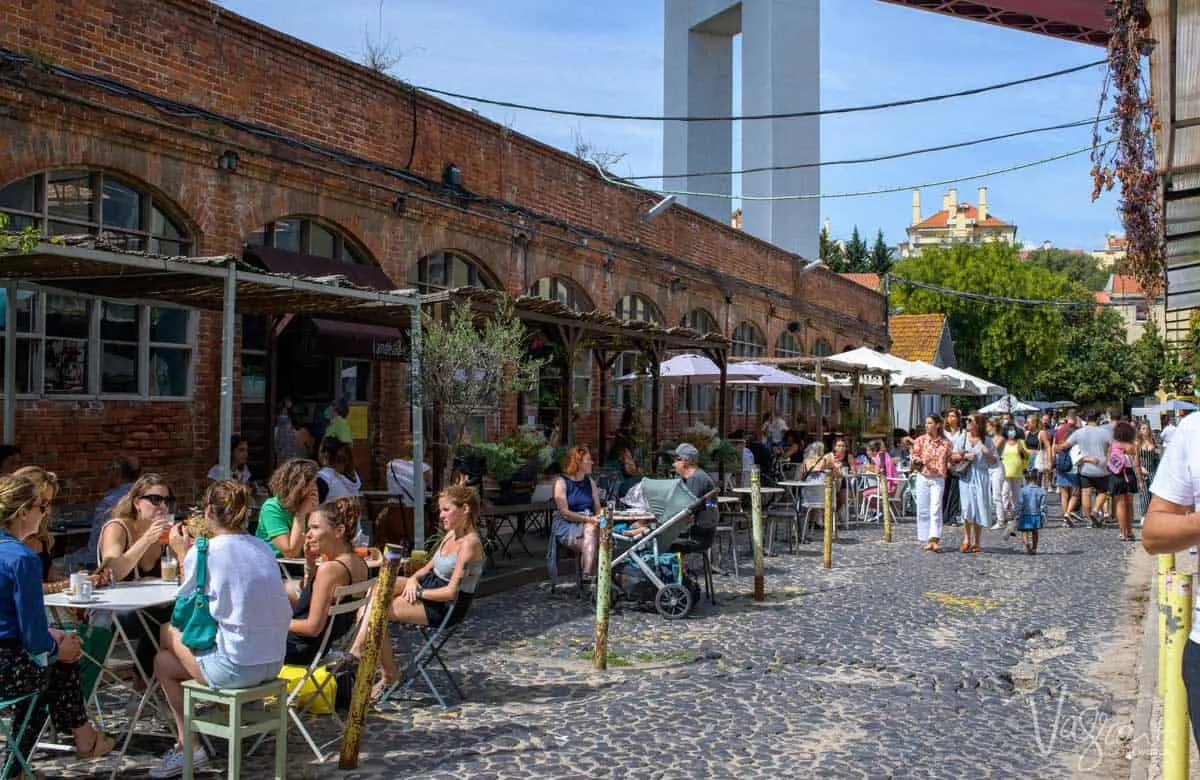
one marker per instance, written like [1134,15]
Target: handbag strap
[201,563]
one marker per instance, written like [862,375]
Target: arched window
[309,236]
[747,341]
[447,270]
[701,321]
[61,203]
[821,348]
[787,346]
[562,290]
[638,308]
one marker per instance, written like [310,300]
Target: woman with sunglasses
[41,541]
[131,545]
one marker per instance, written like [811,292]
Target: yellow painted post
[1176,731]
[756,532]
[887,508]
[830,519]
[1165,564]
[603,591]
[369,660]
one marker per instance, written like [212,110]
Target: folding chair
[431,639]
[311,686]
[13,732]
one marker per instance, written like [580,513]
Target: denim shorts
[222,672]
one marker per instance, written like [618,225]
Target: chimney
[983,212]
[952,204]
[916,211]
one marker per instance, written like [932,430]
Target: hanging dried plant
[1129,158]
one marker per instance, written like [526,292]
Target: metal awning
[1175,83]
[1072,20]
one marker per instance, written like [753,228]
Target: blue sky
[607,56]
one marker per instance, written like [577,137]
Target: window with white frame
[445,270]
[566,292]
[637,308]
[308,236]
[747,342]
[73,345]
[786,345]
[697,397]
[821,348]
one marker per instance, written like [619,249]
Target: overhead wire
[1005,299]
[756,117]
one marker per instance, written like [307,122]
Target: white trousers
[997,478]
[1012,496]
[929,507]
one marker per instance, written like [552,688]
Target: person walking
[1149,454]
[996,473]
[930,458]
[1015,458]
[1093,441]
[1033,512]
[956,435]
[975,483]
[1122,465]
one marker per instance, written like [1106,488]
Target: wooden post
[376,624]
[756,531]
[603,588]
[830,519]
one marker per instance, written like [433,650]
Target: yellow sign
[358,421]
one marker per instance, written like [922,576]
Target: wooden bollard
[756,532]
[830,519]
[887,508]
[603,592]
[377,614]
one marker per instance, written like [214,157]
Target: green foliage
[857,255]
[1149,364]
[467,366]
[882,256]
[1003,342]
[22,241]
[831,253]
[1095,363]
[501,461]
[1077,267]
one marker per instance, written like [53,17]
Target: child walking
[1033,512]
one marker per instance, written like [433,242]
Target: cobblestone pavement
[894,663]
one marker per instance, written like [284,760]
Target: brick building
[307,162]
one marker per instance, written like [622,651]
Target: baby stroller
[640,572]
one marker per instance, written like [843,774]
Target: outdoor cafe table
[136,596]
[518,518]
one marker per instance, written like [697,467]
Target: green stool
[235,722]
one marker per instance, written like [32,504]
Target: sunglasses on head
[157,500]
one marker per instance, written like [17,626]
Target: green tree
[1149,365]
[1004,342]
[1076,266]
[857,254]
[831,253]
[882,256]
[1094,363]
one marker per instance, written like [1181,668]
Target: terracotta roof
[916,336]
[1102,297]
[942,218]
[1123,284]
[870,281]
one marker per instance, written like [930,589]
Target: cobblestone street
[895,663]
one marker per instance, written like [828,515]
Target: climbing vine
[1128,158]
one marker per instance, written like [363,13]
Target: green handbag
[191,615]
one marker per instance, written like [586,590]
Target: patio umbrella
[1008,403]
[694,368]
[770,376]
[974,385]
[1176,405]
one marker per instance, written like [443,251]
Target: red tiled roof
[870,281]
[942,218]
[1123,284]
[916,336]
[1102,297]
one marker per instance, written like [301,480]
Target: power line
[754,117]
[859,194]
[1001,298]
[880,158]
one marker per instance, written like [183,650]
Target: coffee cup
[83,590]
[77,580]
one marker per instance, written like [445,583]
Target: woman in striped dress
[1148,457]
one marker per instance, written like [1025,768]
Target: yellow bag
[324,703]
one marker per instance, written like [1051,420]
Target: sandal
[935,547]
[927,547]
[965,546]
[381,688]
[976,549]
[101,746]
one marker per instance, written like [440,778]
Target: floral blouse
[934,453]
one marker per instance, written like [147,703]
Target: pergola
[1073,20]
[606,336]
[87,265]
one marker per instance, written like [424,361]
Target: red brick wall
[198,53]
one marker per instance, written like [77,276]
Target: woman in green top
[283,517]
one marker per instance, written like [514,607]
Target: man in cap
[699,482]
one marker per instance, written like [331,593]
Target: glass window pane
[321,241]
[120,206]
[169,325]
[118,368]
[354,379]
[28,351]
[26,311]
[162,225]
[69,195]
[287,235]
[257,238]
[126,241]
[119,321]
[66,366]
[168,248]
[460,272]
[55,228]
[169,369]
[254,333]
[67,316]
[20,195]
[435,270]
[254,378]
[20,221]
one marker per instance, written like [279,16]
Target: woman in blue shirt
[33,656]
[576,505]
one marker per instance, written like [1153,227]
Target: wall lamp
[452,175]
[228,161]
[676,285]
[609,263]
[658,208]
[400,206]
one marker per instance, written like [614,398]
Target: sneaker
[998,525]
[1096,520]
[171,765]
